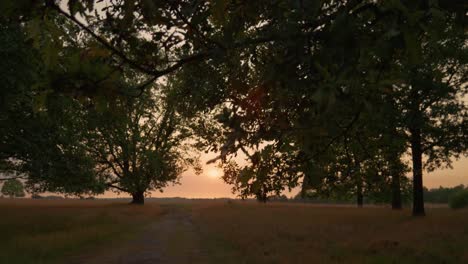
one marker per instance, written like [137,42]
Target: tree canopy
[139,144]
[327,94]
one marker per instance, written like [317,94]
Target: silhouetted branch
[343,133]
[117,187]
[155,73]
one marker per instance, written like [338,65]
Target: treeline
[442,194]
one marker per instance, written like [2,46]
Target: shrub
[459,200]
[13,188]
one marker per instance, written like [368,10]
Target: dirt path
[171,239]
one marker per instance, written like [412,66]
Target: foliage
[441,194]
[271,172]
[50,122]
[13,188]
[289,95]
[38,131]
[138,144]
[51,153]
[376,193]
[290,86]
[432,82]
[459,200]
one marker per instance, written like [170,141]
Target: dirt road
[170,239]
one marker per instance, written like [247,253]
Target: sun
[214,173]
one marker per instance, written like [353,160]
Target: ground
[166,231]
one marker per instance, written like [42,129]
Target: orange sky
[208,186]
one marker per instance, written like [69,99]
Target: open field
[48,231]
[221,232]
[292,233]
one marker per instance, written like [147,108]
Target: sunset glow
[213,173]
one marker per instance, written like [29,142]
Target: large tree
[139,144]
[275,68]
[425,84]
[277,91]
[38,131]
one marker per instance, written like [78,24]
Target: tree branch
[343,133]
[117,187]
[153,72]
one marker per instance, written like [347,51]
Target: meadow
[52,231]
[227,232]
[302,233]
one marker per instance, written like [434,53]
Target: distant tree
[441,194]
[459,199]
[13,188]
[282,197]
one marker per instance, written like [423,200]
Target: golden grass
[300,233]
[46,231]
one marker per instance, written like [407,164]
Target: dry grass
[220,232]
[46,231]
[299,233]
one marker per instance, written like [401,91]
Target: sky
[210,185]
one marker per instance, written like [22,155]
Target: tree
[441,194]
[176,33]
[139,144]
[13,188]
[273,93]
[52,129]
[277,91]
[357,167]
[272,72]
[428,91]
[38,136]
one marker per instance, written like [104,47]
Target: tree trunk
[416,153]
[261,196]
[360,199]
[138,197]
[360,196]
[305,186]
[396,169]
[396,191]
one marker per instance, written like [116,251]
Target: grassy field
[49,231]
[234,232]
[298,233]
